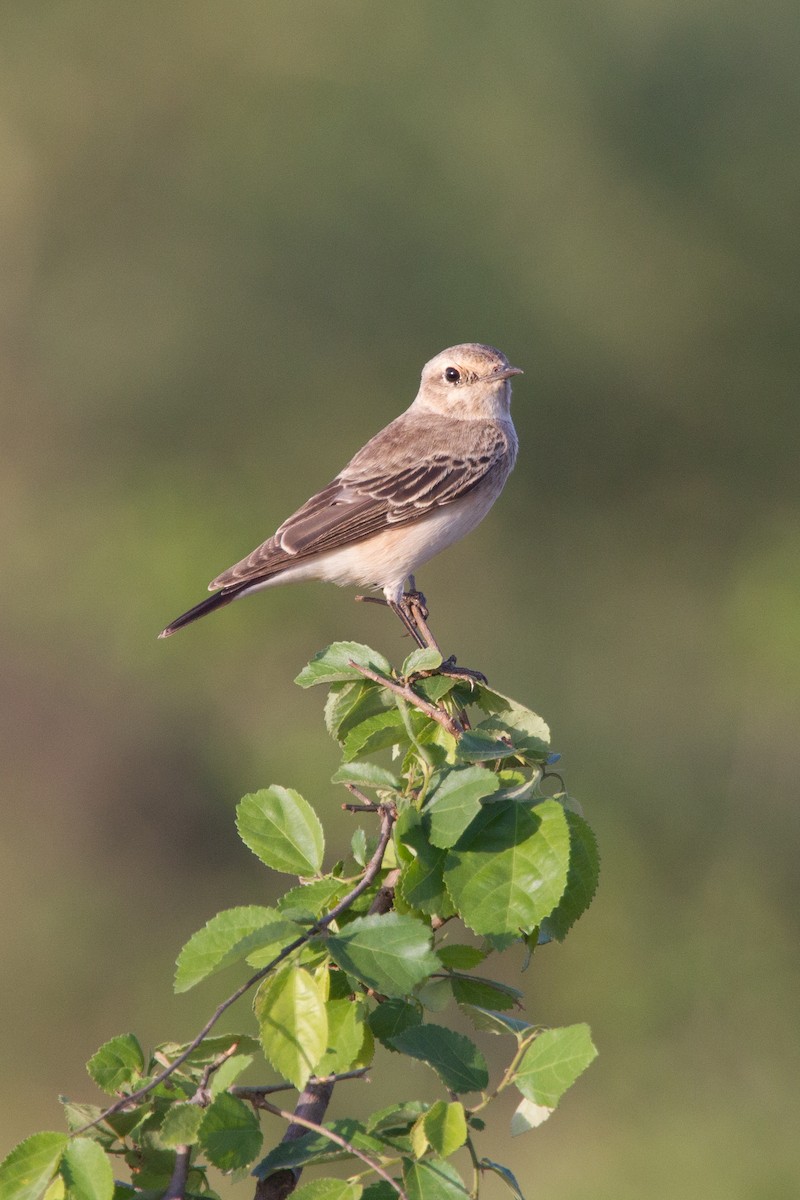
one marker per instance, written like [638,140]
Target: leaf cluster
[466,853]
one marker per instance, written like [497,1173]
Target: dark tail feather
[218,600]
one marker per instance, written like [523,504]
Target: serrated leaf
[78,1115]
[434,687]
[425,659]
[418,1139]
[228,938]
[582,877]
[308,899]
[282,829]
[445,1127]
[333,664]
[496,1022]
[509,869]
[389,952]
[329,1189]
[211,1047]
[456,1060]
[349,704]
[507,1176]
[456,957]
[435,995]
[456,801]
[432,1179]
[346,1030]
[396,1118]
[365,774]
[530,734]
[553,1063]
[290,1009]
[479,745]
[228,1072]
[375,733]
[87,1171]
[527,1116]
[392,1017]
[118,1061]
[27,1170]
[56,1189]
[181,1125]
[421,883]
[380,1190]
[230,1133]
[484,993]
[358,846]
[316,1148]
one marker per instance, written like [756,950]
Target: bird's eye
[452,375]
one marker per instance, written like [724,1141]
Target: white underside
[386,560]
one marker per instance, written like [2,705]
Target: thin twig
[371,808]
[296,1119]
[245,1092]
[370,872]
[411,697]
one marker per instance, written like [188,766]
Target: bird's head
[470,381]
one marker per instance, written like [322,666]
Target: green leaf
[484,993]
[230,1133]
[117,1062]
[445,1127]
[27,1170]
[397,1118]
[282,829]
[229,1071]
[87,1171]
[456,801]
[527,1116]
[181,1125]
[456,1060]
[211,1047]
[418,1139]
[366,774]
[507,1176]
[290,1009]
[329,1189]
[380,1190]
[496,1022]
[376,733]
[553,1063]
[432,1179]
[332,664]
[358,846]
[434,687]
[421,660]
[391,953]
[457,957]
[228,938]
[307,900]
[346,1029]
[316,1148]
[349,704]
[421,883]
[78,1115]
[480,745]
[509,870]
[529,733]
[584,870]
[392,1017]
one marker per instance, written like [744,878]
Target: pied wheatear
[424,481]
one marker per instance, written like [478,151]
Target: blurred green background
[231,235]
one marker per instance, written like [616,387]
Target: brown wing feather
[381,487]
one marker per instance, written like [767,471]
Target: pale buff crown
[469,381]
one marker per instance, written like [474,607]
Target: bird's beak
[506,372]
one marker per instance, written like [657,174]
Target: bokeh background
[231,235]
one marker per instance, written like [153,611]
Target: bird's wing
[412,467]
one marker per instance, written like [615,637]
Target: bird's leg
[418,611]
[405,613]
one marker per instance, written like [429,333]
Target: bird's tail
[218,600]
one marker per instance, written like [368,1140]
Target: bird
[416,487]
